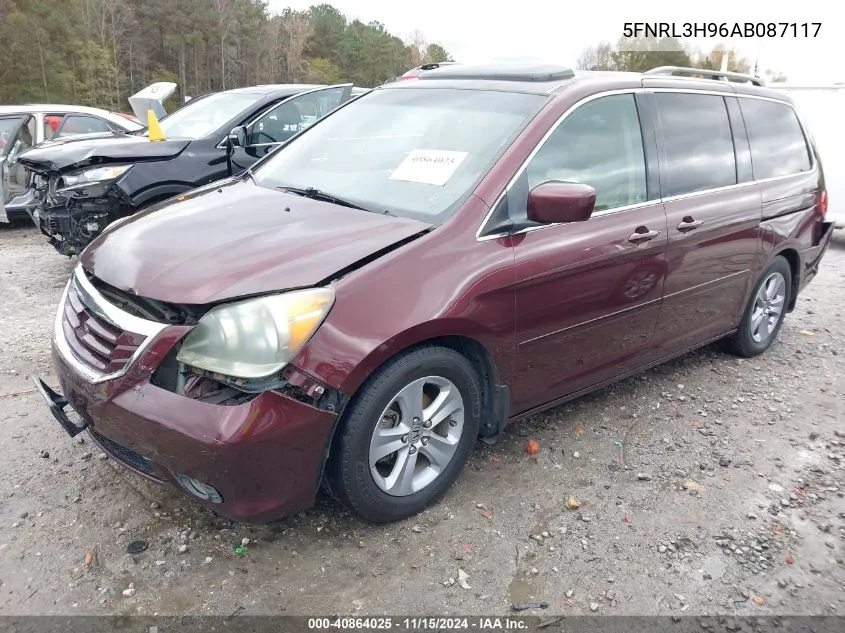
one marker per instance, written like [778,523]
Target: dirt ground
[710,485]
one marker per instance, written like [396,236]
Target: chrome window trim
[639,205]
[273,106]
[95,302]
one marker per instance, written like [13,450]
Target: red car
[427,263]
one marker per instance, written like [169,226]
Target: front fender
[157,194]
[444,283]
[347,366]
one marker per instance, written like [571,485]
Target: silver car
[24,126]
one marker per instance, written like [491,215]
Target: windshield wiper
[316,194]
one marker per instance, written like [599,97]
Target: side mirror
[238,137]
[553,202]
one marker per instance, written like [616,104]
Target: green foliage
[99,52]
[436,53]
[642,55]
[638,55]
[322,71]
[329,31]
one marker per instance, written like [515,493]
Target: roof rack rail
[722,75]
[502,72]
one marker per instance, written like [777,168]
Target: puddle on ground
[802,459]
[712,566]
[522,590]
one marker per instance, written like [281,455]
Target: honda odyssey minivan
[427,263]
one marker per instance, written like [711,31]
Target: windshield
[199,118]
[413,153]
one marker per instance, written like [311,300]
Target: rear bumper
[812,257]
[19,209]
[264,458]
[14,215]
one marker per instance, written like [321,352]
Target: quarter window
[778,145]
[51,124]
[697,144]
[82,124]
[599,144]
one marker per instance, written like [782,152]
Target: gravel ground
[710,485]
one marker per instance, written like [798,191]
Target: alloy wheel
[416,436]
[768,307]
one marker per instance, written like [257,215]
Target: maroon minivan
[426,263]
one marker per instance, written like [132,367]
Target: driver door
[282,121]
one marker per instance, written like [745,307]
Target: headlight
[256,338]
[93,175]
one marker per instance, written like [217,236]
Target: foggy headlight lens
[93,175]
[257,337]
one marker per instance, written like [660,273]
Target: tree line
[638,55]
[99,52]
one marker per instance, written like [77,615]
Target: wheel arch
[495,397]
[794,260]
[158,194]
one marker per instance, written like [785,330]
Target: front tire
[764,314]
[406,435]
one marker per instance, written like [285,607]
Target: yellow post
[154,128]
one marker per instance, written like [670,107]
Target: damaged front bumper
[73,218]
[255,458]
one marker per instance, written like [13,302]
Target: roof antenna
[725,57]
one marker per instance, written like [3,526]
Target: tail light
[823,203]
[403,77]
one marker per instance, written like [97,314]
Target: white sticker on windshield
[429,166]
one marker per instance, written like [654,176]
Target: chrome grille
[96,337]
[95,341]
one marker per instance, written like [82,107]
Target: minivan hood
[76,152]
[236,239]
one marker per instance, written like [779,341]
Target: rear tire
[764,314]
[406,435]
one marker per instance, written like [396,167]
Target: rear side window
[51,124]
[778,146]
[697,144]
[82,124]
[600,144]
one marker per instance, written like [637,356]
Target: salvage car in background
[426,263]
[24,126]
[83,185]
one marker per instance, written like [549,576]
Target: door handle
[642,234]
[688,224]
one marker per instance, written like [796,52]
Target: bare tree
[599,57]
[295,31]
[417,45]
[227,22]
